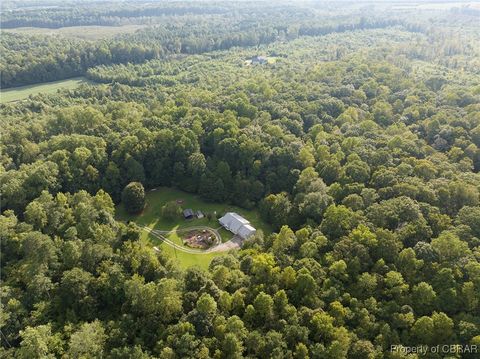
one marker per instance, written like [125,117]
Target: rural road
[233,243]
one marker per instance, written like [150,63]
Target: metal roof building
[237,225]
[188,213]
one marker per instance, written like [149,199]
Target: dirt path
[234,243]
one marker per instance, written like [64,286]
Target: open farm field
[79,32]
[23,92]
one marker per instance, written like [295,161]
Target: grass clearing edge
[151,217]
[23,92]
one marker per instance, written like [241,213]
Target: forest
[358,142]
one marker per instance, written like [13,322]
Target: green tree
[276,209]
[423,298]
[263,305]
[338,221]
[171,210]
[450,248]
[39,342]
[88,341]
[382,113]
[133,197]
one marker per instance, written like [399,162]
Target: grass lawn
[183,259]
[22,92]
[151,217]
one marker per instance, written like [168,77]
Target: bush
[171,210]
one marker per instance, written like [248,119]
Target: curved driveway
[233,243]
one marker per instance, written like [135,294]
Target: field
[151,217]
[79,32]
[22,92]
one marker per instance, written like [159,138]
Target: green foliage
[171,211]
[360,149]
[24,92]
[88,341]
[133,197]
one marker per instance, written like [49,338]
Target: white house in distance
[237,225]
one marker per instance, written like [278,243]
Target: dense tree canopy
[359,142]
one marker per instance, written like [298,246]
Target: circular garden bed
[199,238]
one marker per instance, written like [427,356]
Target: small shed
[199,214]
[188,213]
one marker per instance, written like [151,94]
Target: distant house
[259,60]
[188,213]
[237,225]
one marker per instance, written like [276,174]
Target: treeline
[208,147]
[28,60]
[365,163]
[362,24]
[102,14]
[200,38]
[185,28]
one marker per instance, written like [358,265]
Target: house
[237,225]
[199,214]
[259,60]
[246,231]
[188,213]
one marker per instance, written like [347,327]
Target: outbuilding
[237,225]
[188,213]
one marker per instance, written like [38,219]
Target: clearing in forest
[23,92]
[172,235]
[91,32]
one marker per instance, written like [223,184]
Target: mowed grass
[184,260]
[80,32]
[23,92]
[151,217]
